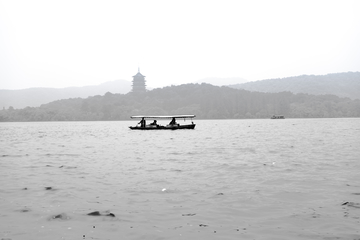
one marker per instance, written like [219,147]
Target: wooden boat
[277,117]
[173,125]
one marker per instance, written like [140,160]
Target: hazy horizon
[84,43]
[213,81]
[210,80]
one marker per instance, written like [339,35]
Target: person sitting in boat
[142,122]
[154,123]
[173,122]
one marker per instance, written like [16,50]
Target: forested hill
[204,100]
[339,84]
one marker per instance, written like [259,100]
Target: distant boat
[277,117]
[173,125]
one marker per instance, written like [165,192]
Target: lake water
[227,179]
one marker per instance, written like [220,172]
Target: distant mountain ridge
[203,100]
[339,84]
[34,97]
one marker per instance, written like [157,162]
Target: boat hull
[277,117]
[168,127]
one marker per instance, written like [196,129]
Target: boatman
[142,122]
[173,121]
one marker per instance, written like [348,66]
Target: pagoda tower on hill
[138,83]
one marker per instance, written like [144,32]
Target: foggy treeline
[204,100]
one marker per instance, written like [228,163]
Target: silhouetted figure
[154,123]
[173,121]
[142,122]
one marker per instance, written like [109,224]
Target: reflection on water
[226,179]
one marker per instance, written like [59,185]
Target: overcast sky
[62,43]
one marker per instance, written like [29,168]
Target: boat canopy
[164,117]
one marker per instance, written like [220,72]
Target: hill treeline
[339,84]
[203,100]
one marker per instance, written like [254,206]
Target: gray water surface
[248,178]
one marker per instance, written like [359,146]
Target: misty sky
[52,43]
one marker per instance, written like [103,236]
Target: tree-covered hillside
[203,100]
[339,84]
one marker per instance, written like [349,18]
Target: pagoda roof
[139,75]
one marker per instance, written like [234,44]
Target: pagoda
[138,83]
